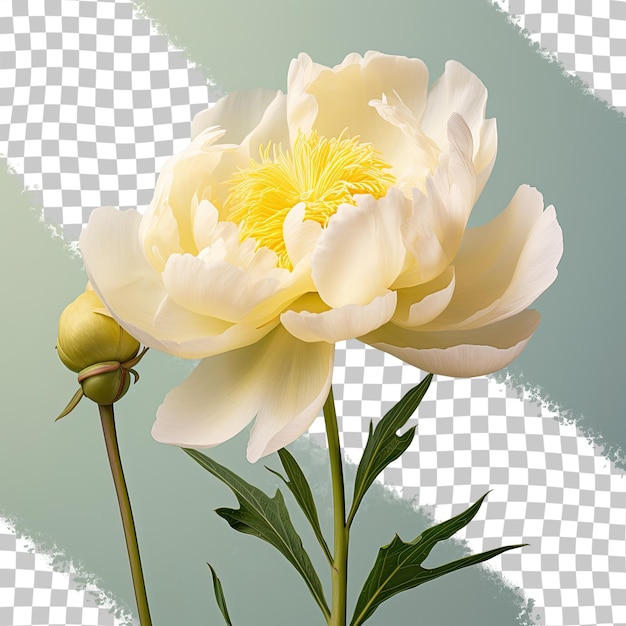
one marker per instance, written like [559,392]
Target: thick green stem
[110,439]
[339,570]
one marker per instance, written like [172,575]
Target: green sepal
[219,596]
[107,386]
[266,518]
[134,361]
[383,445]
[98,368]
[398,566]
[297,483]
[73,403]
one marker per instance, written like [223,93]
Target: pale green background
[54,478]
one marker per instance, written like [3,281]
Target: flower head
[337,210]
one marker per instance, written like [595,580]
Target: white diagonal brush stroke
[587,37]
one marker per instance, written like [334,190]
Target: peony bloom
[338,210]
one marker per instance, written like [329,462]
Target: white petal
[361,252]
[451,190]
[342,95]
[439,215]
[503,266]
[485,157]
[296,381]
[345,322]
[414,157]
[204,222]
[187,178]
[215,403]
[301,106]
[239,113]
[426,258]
[215,289]
[281,380]
[460,91]
[300,235]
[272,129]
[188,335]
[419,305]
[459,353]
[118,270]
[134,293]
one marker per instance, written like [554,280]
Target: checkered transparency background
[588,37]
[93,100]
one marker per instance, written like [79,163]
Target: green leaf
[266,518]
[383,445]
[297,483]
[219,596]
[398,566]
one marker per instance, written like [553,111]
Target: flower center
[321,172]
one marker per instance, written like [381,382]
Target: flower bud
[89,335]
[104,383]
[93,344]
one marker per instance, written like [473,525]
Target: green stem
[110,439]
[339,570]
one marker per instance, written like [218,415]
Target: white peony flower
[337,210]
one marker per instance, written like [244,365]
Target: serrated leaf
[383,445]
[297,483]
[398,566]
[219,596]
[266,518]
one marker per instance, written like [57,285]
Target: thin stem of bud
[110,438]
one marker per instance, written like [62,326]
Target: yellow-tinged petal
[205,221]
[300,234]
[134,293]
[459,91]
[462,353]
[342,95]
[188,335]
[226,291]
[238,113]
[197,174]
[216,288]
[505,265]
[280,380]
[421,304]
[361,253]
[301,106]
[313,321]
[439,214]
[298,380]
[485,157]
[118,270]
[417,155]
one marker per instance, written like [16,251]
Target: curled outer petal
[459,353]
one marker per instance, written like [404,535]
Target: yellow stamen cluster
[321,172]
